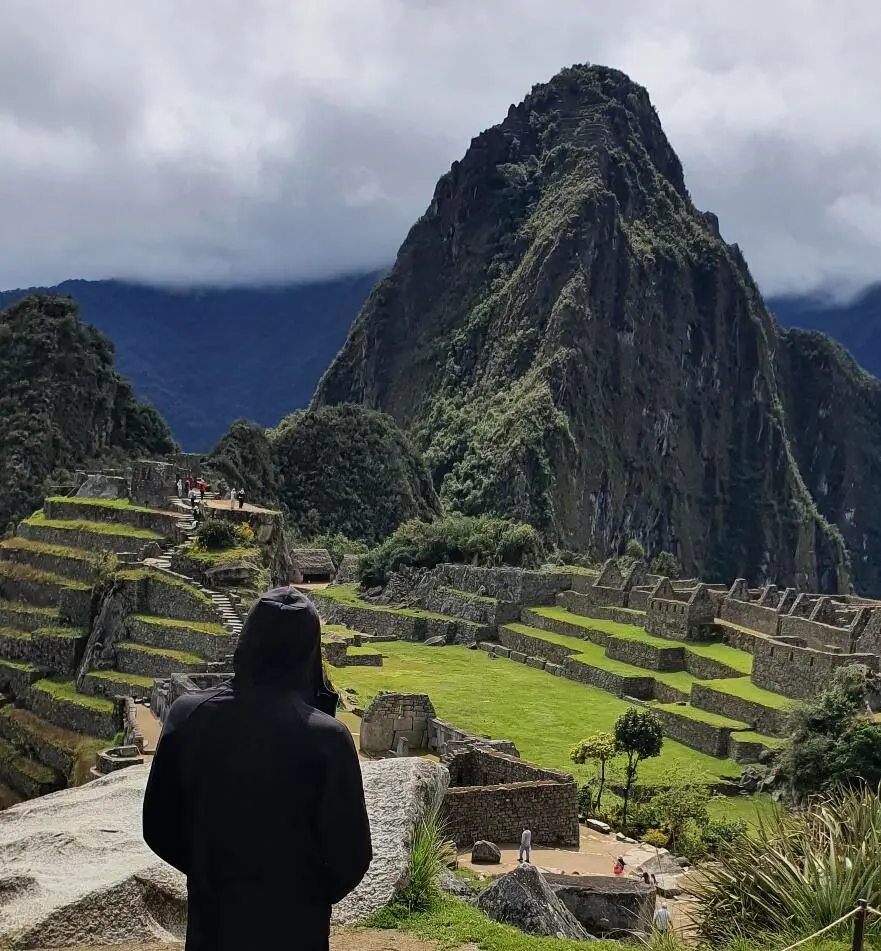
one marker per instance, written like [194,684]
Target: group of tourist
[187,489]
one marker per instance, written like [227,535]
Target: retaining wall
[443,736]
[85,541]
[77,568]
[501,813]
[153,594]
[696,734]
[507,584]
[189,640]
[59,654]
[17,726]
[17,681]
[800,672]
[582,605]
[745,751]
[75,716]
[751,615]
[765,720]
[163,523]
[820,635]
[134,661]
[640,688]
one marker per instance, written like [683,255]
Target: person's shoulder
[328,730]
[187,704]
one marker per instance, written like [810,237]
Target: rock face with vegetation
[334,469]
[62,402]
[572,344]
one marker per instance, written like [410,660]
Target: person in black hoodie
[255,792]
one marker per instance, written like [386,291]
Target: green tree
[665,563]
[682,802]
[634,551]
[598,748]
[831,743]
[639,736]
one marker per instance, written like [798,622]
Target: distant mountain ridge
[205,358]
[856,325]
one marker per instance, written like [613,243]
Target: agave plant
[797,873]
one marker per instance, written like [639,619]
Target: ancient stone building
[680,615]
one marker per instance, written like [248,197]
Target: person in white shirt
[525,845]
[663,919]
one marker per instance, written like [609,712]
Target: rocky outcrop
[75,870]
[572,344]
[524,900]
[487,853]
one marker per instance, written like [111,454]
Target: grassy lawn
[595,656]
[691,713]
[181,657]
[42,548]
[100,503]
[95,528]
[222,556]
[16,572]
[736,659]
[348,595]
[544,716]
[204,627]
[745,689]
[65,690]
[121,678]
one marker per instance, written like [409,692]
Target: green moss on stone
[65,690]
[204,627]
[180,656]
[94,528]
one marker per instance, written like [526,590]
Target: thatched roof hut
[312,566]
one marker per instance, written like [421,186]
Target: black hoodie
[256,795]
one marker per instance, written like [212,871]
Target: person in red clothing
[619,866]
[202,489]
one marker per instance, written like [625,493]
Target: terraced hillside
[84,624]
[700,689]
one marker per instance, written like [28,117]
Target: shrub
[656,838]
[795,873]
[245,534]
[585,800]
[477,540]
[215,534]
[430,854]
[634,551]
[665,563]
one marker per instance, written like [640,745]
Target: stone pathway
[149,726]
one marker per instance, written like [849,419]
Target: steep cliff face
[571,343]
[62,403]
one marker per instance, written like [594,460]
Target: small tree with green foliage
[831,744]
[639,736]
[682,802]
[598,748]
[665,563]
[634,551]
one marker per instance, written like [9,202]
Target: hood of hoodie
[280,644]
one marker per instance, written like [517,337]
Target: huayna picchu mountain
[62,403]
[572,343]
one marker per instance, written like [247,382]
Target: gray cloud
[223,141]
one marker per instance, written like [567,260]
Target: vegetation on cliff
[572,344]
[62,403]
[335,470]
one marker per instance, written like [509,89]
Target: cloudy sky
[226,141]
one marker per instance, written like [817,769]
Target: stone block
[537,662]
[518,656]
[402,724]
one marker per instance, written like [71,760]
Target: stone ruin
[153,483]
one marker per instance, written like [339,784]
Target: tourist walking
[255,792]
[232,498]
[202,489]
[525,846]
[180,488]
[241,498]
[663,919]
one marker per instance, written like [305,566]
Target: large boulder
[486,852]
[607,905]
[524,900]
[75,870]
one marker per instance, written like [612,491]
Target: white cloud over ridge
[225,141]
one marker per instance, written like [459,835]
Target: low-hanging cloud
[225,141]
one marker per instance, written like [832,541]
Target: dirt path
[341,940]
[149,726]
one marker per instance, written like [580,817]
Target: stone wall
[706,669]
[186,639]
[164,523]
[469,607]
[749,614]
[79,569]
[767,720]
[442,737]
[534,646]
[58,653]
[135,661]
[800,672]
[42,747]
[74,604]
[696,734]
[398,626]
[165,597]
[501,813]
[16,679]
[85,541]
[816,634]
[336,653]
[582,605]
[681,615]
[507,584]
[645,655]
[476,765]
[745,751]
[76,716]
[640,688]
[153,483]
[392,716]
